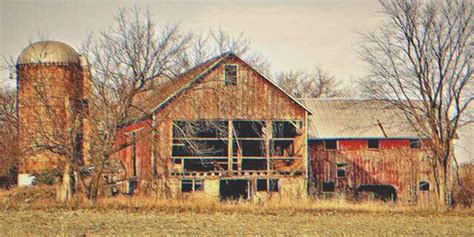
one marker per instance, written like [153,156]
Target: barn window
[267,185]
[330,144]
[261,185]
[373,143]
[273,185]
[329,186]
[424,186]
[415,144]
[341,173]
[191,185]
[341,170]
[230,75]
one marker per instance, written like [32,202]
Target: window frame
[224,74]
[194,183]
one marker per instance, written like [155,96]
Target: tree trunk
[65,191]
[443,187]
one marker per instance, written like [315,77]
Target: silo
[52,107]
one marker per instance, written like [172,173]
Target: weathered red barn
[366,146]
[221,129]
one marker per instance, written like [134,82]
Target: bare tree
[219,41]
[129,59]
[315,84]
[420,61]
[8,131]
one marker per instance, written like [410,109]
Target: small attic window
[230,75]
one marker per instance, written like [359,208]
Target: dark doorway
[378,191]
[234,189]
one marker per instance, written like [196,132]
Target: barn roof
[153,100]
[356,118]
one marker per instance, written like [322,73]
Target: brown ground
[34,211]
[112,222]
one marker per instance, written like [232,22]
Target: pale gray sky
[291,34]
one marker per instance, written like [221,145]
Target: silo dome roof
[48,52]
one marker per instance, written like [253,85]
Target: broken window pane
[230,75]
[283,148]
[200,129]
[286,129]
[191,165]
[217,148]
[248,129]
[252,148]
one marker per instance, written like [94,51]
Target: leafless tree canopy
[219,41]
[420,60]
[315,84]
[8,132]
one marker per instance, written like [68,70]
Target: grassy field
[112,222]
[34,211]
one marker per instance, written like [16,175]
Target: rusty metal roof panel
[354,118]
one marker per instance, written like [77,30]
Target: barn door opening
[234,189]
[382,192]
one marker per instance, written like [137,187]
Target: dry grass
[33,210]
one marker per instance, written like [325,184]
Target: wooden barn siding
[61,82]
[253,98]
[394,163]
[143,142]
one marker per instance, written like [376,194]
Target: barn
[225,131]
[221,129]
[360,146]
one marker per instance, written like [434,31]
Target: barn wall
[394,163]
[253,98]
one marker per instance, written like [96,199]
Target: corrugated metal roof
[352,118]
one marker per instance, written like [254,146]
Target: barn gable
[155,100]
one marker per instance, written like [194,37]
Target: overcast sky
[291,34]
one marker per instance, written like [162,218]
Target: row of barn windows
[342,173]
[197,185]
[371,144]
[330,186]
